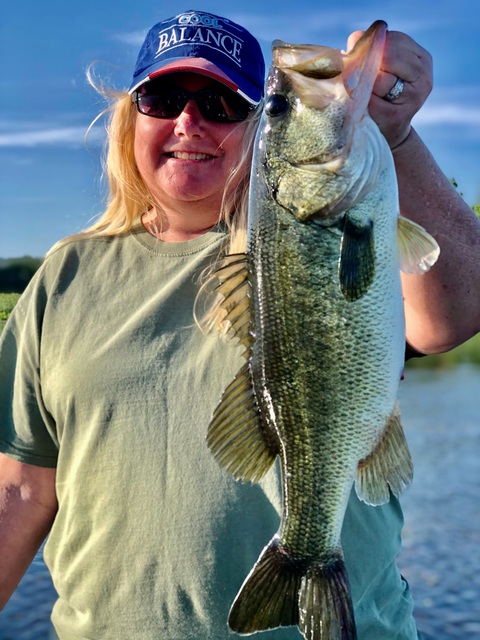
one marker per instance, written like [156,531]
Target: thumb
[353,38]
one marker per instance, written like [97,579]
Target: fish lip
[338,157]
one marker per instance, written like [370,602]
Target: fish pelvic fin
[418,249]
[388,468]
[281,591]
[356,267]
[238,438]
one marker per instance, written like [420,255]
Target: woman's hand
[405,59]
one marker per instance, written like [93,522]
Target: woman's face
[187,158]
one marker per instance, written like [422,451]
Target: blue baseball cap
[207,44]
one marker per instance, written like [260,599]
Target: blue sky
[50,179]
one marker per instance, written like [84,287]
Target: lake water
[440,559]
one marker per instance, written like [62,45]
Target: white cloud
[135,38]
[60,136]
[453,114]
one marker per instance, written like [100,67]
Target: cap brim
[194,65]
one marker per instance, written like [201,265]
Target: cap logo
[203,29]
[199,18]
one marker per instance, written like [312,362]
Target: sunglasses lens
[222,106]
[215,104]
[167,104]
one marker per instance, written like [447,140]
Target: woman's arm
[28,505]
[442,307]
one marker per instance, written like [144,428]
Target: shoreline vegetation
[15,273]
[467,353]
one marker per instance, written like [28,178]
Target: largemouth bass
[317,302]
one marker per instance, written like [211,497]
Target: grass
[7,302]
[466,353]
[469,352]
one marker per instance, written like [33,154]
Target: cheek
[149,134]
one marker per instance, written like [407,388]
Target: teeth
[183,155]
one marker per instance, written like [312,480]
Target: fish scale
[323,329]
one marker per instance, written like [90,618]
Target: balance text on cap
[220,40]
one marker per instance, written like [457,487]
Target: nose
[190,122]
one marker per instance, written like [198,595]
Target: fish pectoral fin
[356,268]
[418,249]
[224,302]
[237,436]
[281,591]
[388,468]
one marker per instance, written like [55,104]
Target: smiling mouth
[183,155]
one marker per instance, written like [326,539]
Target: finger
[404,58]
[384,83]
[402,55]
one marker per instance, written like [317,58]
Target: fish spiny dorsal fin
[418,249]
[388,468]
[356,267]
[224,301]
[237,436]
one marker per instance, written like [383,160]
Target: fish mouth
[321,164]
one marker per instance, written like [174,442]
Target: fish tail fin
[325,605]
[269,596]
[281,591]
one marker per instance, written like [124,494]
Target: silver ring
[396,91]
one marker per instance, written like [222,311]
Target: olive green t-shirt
[104,375]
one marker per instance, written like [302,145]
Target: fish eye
[276,105]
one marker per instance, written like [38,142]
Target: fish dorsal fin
[356,267]
[388,468]
[224,301]
[418,249]
[237,437]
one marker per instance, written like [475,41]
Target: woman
[107,387]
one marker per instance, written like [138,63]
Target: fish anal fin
[237,436]
[388,468]
[357,259]
[418,249]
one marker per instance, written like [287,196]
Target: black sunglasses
[216,103]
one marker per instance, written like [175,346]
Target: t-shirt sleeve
[27,430]
[411,353]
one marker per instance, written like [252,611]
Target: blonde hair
[128,195]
